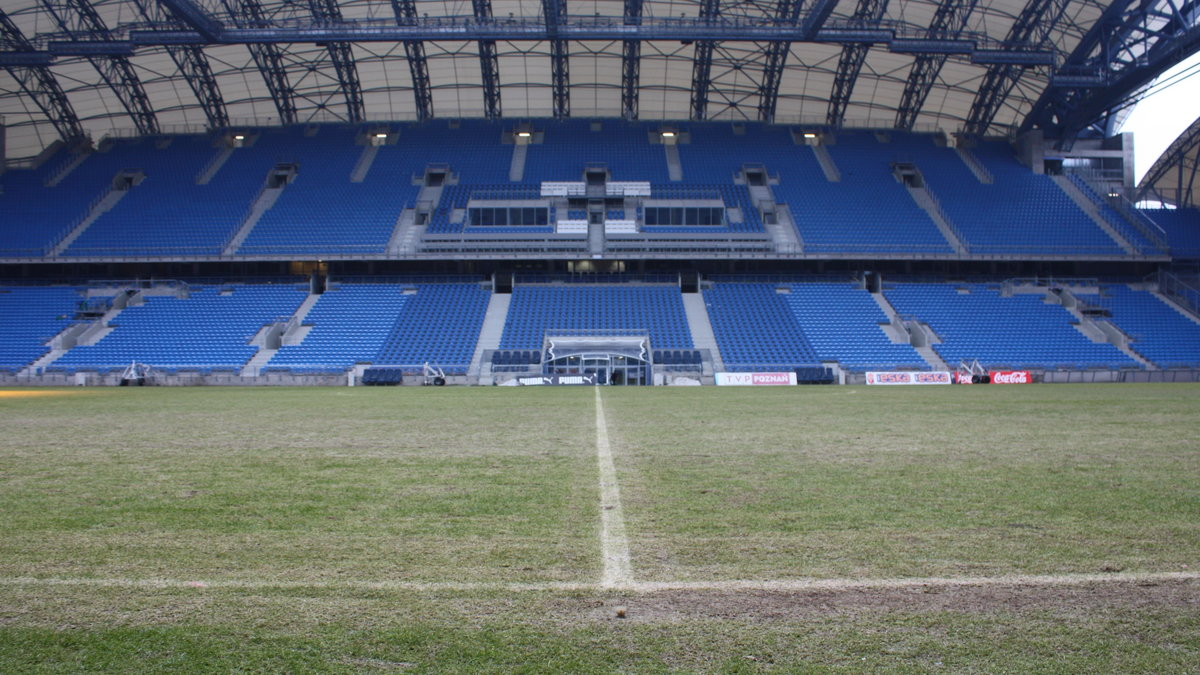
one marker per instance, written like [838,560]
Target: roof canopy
[73,67]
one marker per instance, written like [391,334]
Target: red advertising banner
[1011,377]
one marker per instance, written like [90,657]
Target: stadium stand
[167,213]
[440,325]
[1182,227]
[209,329]
[842,323]
[570,146]
[29,318]
[321,210]
[536,309]
[350,323]
[1158,331]
[755,329]
[1020,212]
[1023,331]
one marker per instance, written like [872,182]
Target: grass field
[966,529]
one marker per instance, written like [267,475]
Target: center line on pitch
[614,546]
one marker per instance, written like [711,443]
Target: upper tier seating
[349,325]
[534,310]
[168,213]
[321,210]
[1182,227]
[755,329]
[841,321]
[1020,212]
[1159,332]
[569,146]
[210,329]
[29,317]
[440,325]
[867,211]
[1022,331]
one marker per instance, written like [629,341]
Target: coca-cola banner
[935,377]
[1011,377]
[755,379]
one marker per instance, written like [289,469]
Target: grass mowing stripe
[614,545]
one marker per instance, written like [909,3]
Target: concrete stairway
[1089,207]
[701,328]
[208,172]
[101,206]
[275,335]
[832,174]
[783,232]
[981,173]
[365,160]
[516,169]
[930,204]
[916,334]
[674,165]
[266,199]
[489,336]
[1096,329]
[66,169]
[406,235]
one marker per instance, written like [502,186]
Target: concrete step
[929,203]
[1090,208]
[674,165]
[365,160]
[266,199]
[101,206]
[207,173]
[701,328]
[828,166]
[516,169]
[490,333]
[981,173]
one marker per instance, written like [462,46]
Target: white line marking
[614,546]
[777,586]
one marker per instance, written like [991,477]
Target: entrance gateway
[616,357]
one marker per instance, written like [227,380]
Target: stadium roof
[75,67]
[1175,177]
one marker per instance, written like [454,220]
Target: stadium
[415,336]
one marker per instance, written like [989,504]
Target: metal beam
[78,18]
[414,53]
[555,13]
[1033,25]
[774,57]
[489,64]
[1133,42]
[39,83]
[702,63]
[850,63]
[631,57]
[584,28]
[948,21]
[192,64]
[817,15]
[193,15]
[268,57]
[343,60]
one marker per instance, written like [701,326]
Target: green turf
[326,488]
[887,482]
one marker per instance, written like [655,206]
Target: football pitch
[1041,528]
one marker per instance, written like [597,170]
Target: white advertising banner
[935,377]
[755,379]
